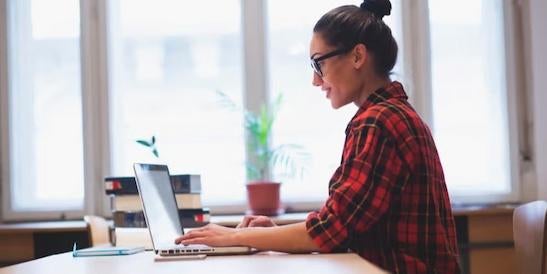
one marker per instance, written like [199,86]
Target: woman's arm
[291,238]
[288,238]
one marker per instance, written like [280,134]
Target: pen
[74,250]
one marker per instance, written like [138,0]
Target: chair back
[97,227]
[529,237]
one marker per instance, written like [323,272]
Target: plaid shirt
[388,200]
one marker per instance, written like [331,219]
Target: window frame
[512,84]
[93,90]
[7,212]
[95,98]
[4,146]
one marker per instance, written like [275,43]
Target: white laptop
[162,218]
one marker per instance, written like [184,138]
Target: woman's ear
[360,56]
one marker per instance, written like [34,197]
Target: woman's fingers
[211,234]
[245,222]
[261,221]
[200,240]
[194,240]
[254,223]
[251,221]
[190,235]
[178,240]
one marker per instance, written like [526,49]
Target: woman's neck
[370,85]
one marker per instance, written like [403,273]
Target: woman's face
[338,79]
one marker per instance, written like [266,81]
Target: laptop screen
[160,206]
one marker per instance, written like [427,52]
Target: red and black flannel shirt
[388,199]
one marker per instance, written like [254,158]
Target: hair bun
[380,8]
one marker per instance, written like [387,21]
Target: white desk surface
[263,263]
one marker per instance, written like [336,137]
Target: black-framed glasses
[315,61]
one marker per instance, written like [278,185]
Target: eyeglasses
[315,61]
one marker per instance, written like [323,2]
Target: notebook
[105,251]
[162,219]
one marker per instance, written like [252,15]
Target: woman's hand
[286,238]
[211,235]
[252,221]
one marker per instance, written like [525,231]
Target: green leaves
[144,143]
[284,160]
[150,144]
[289,160]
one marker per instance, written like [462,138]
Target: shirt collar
[393,90]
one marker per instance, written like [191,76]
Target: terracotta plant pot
[263,198]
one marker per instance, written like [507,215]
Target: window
[46,151]
[306,117]
[166,67]
[470,111]
[166,62]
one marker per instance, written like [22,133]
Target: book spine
[188,218]
[183,183]
[132,202]
[186,183]
[128,219]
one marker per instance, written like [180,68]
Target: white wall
[535,46]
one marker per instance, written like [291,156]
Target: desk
[31,227]
[27,241]
[264,263]
[483,233]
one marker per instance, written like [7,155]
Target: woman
[388,200]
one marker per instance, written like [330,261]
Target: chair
[97,227]
[529,237]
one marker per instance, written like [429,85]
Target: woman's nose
[317,80]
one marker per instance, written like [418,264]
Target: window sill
[234,219]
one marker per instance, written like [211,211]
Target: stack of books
[127,212]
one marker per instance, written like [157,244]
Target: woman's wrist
[249,236]
[238,237]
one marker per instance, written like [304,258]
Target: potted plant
[267,161]
[150,144]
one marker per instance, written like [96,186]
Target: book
[131,236]
[182,183]
[188,217]
[106,251]
[133,202]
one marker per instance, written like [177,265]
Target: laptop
[162,218]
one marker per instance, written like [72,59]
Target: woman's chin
[334,104]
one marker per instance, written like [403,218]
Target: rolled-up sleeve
[360,189]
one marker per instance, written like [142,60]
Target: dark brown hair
[346,26]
